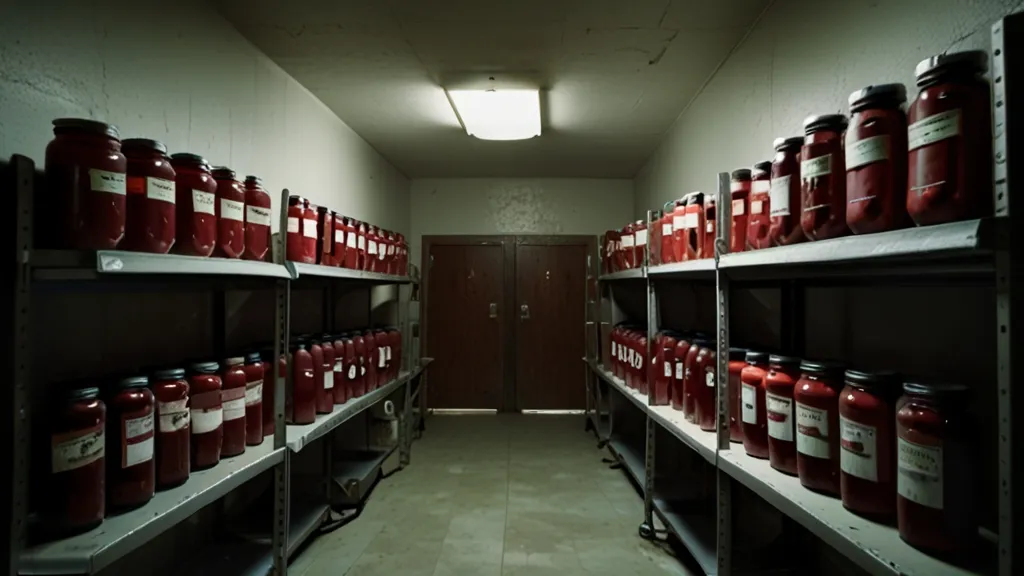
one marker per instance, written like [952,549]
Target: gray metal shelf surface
[703,442]
[304,519]
[695,531]
[299,270]
[631,460]
[120,534]
[631,274]
[636,397]
[703,268]
[79,265]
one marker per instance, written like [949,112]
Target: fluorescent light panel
[498,114]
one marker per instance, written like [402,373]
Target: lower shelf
[632,460]
[236,557]
[354,475]
[695,530]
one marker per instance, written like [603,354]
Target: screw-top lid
[765,167]
[934,390]
[694,198]
[253,180]
[234,361]
[821,366]
[783,360]
[254,357]
[205,367]
[741,174]
[974,61]
[223,173]
[131,382]
[835,122]
[65,125]
[755,357]
[737,353]
[294,200]
[181,158]
[863,379]
[781,144]
[893,94]
[169,374]
[143,144]
[79,391]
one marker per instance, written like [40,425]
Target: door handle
[493,310]
[524,311]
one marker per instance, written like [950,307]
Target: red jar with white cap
[230,214]
[150,220]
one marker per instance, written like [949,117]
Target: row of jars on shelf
[106,193]
[110,449]
[879,170]
[845,433]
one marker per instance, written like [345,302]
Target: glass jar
[679,372]
[340,390]
[706,229]
[783,373]
[370,262]
[739,189]
[196,201]
[705,387]
[876,159]
[173,431]
[324,237]
[150,222]
[230,214]
[950,140]
[867,461]
[302,409]
[258,217]
[327,348]
[232,397]
[296,241]
[785,193]
[654,230]
[626,246]
[207,414]
[639,243]
[823,177]
[351,361]
[755,422]
[131,470]
[692,379]
[817,425]
[85,182]
[75,486]
[351,244]
[665,252]
[759,220]
[934,481]
[680,234]
[664,362]
[253,399]
[737,362]
[324,397]
[339,239]
[371,360]
[362,232]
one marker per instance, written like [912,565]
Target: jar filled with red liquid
[639,243]
[324,236]
[737,362]
[817,425]
[85,183]
[759,219]
[783,373]
[324,398]
[339,239]
[705,388]
[692,379]
[352,366]
[823,177]
[706,229]
[207,414]
[679,371]
[678,216]
[867,461]
[327,346]
[232,397]
[628,243]
[752,404]
[131,470]
[230,214]
[666,253]
[270,384]
[934,480]
[195,191]
[739,188]
[381,338]
[876,159]
[150,223]
[302,409]
[664,366]
[301,246]
[340,390]
[253,369]
[173,430]
[76,483]
[950,140]
[654,232]
[362,236]
[370,259]
[371,360]
[785,194]
[258,216]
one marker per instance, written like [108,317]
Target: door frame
[508,242]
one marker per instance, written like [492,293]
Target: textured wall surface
[181,74]
[804,57]
[517,206]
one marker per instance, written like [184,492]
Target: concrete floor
[496,495]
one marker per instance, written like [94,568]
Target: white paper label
[338,368]
[738,206]
[761,187]
[309,228]
[613,350]
[328,380]
[628,241]
[362,370]
[866,151]
[678,221]
[780,416]
[111,182]
[381,251]
[641,237]
[709,227]
[160,189]
[668,369]
[339,236]
[756,206]
[174,415]
[75,452]
[380,357]
[931,129]
[351,371]
[748,397]
[778,197]
[815,167]
[350,240]
[138,452]
[293,225]
[373,248]
[857,452]
[691,220]
[361,242]
[666,229]
[254,393]
[387,353]
[679,370]
[206,419]
[709,377]
[231,209]
[234,409]
[920,473]
[203,202]
[257,215]
[812,431]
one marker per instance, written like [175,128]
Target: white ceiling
[614,74]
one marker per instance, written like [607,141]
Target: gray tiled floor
[496,495]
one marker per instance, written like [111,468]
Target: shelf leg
[281,512]
[405,427]
[649,475]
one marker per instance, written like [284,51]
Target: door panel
[550,337]
[463,337]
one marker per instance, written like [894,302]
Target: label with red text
[920,473]
[779,410]
[857,449]
[812,431]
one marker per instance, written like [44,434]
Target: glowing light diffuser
[498,114]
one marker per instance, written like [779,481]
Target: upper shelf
[703,268]
[631,274]
[299,270]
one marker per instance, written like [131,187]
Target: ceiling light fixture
[498,114]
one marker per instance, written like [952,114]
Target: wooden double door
[505,321]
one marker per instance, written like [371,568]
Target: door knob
[493,310]
[524,312]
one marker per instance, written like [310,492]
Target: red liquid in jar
[324,395]
[296,241]
[370,261]
[705,395]
[759,219]
[752,405]
[150,224]
[785,193]
[654,233]
[740,193]
[207,414]
[639,243]
[85,183]
[131,470]
[253,399]
[339,240]
[665,367]
[173,430]
[680,228]
[823,177]
[783,372]
[692,378]
[737,362]
[867,461]
[817,425]
[76,483]
[324,237]
[371,361]
[232,396]
[340,391]
[702,244]
[351,244]
[627,248]
[351,367]
[302,409]
[196,201]
[230,209]
[950,140]
[258,217]
[667,254]
[935,477]
[876,159]
[679,372]
[383,372]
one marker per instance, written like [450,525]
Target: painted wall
[184,76]
[804,57]
[516,206]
